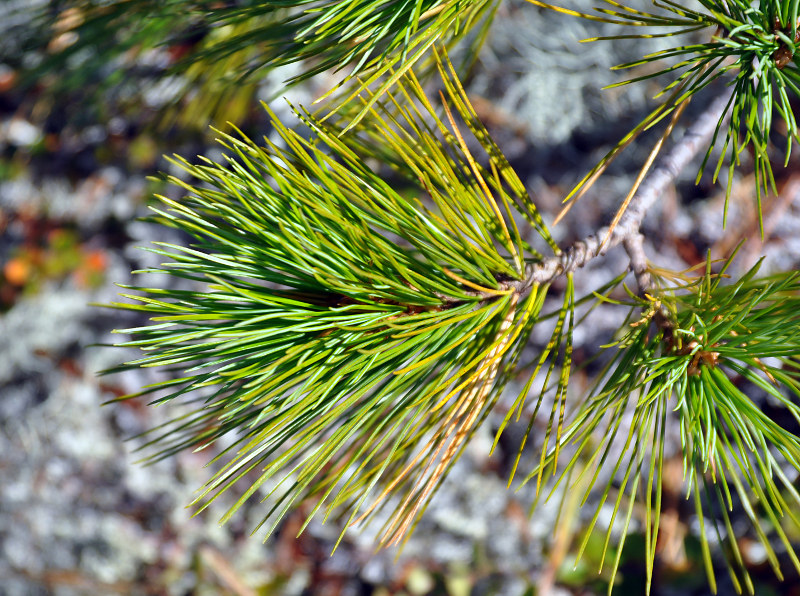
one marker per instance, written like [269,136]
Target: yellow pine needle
[487,362]
[643,172]
[573,13]
[472,402]
[585,185]
[489,199]
[405,515]
[475,286]
[434,11]
[440,353]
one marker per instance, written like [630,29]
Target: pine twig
[634,246]
[668,169]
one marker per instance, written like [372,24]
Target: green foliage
[755,43]
[352,337]
[219,48]
[711,341]
[360,292]
[98,49]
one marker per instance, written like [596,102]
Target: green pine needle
[709,340]
[351,338]
[222,49]
[756,42]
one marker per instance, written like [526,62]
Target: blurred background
[84,127]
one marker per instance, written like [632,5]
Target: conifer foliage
[350,335]
[351,329]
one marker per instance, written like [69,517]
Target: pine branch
[219,51]
[757,41]
[698,367]
[355,335]
[669,168]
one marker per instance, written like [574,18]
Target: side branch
[634,246]
[667,170]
